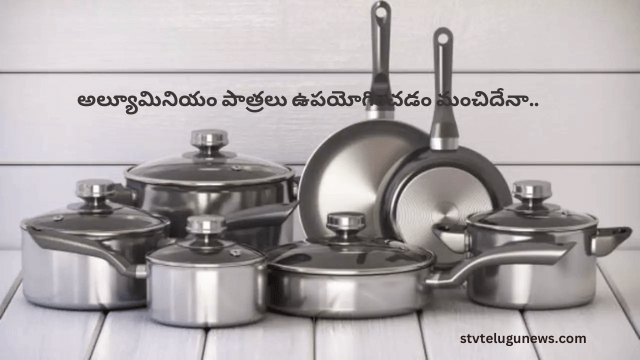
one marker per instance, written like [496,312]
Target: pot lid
[532,214]
[97,217]
[204,247]
[346,253]
[209,166]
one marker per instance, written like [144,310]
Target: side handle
[608,239]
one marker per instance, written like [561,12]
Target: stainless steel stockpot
[59,279]
[199,281]
[348,276]
[570,282]
[215,182]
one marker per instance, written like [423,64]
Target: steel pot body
[177,203]
[348,276]
[207,297]
[211,181]
[365,296]
[570,282]
[202,280]
[64,280]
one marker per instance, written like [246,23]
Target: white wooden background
[580,60]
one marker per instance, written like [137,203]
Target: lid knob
[345,222]
[532,190]
[209,139]
[206,224]
[94,188]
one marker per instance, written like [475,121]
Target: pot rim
[206,266]
[470,222]
[213,184]
[108,235]
[353,272]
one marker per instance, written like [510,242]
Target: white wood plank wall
[579,60]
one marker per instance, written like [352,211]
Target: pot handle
[267,215]
[51,240]
[522,252]
[380,104]
[124,195]
[608,239]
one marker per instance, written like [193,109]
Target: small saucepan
[199,281]
[570,282]
[349,276]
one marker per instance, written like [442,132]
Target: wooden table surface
[611,325]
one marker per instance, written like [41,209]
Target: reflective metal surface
[570,282]
[350,276]
[209,166]
[444,182]
[344,175]
[207,297]
[56,278]
[533,214]
[70,281]
[348,170]
[445,195]
[214,182]
[177,204]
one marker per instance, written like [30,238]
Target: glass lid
[97,217]
[204,247]
[346,253]
[209,166]
[532,214]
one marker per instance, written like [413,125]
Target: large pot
[348,276]
[60,279]
[571,282]
[214,182]
[202,280]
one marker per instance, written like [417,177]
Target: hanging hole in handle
[381,13]
[443,39]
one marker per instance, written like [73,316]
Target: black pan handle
[444,130]
[380,103]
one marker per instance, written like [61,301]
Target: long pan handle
[380,104]
[444,130]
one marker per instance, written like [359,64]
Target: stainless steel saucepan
[570,282]
[347,171]
[60,279]
[199,281]
[349,276]
[215,182]
[442,183]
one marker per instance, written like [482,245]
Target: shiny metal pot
[199,281]
[215,182]
[570,282]
[348,276]
[58,279]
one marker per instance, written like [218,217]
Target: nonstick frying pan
[443,183]
[346,172]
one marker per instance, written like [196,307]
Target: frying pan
[346,172]
[443,183]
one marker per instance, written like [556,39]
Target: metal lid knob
[532,189]
[206,224]
[94,188]
[345,222]
[209,138]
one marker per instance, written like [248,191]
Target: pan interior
[438,195]
[346,172]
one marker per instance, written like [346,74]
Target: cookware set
[390,213]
